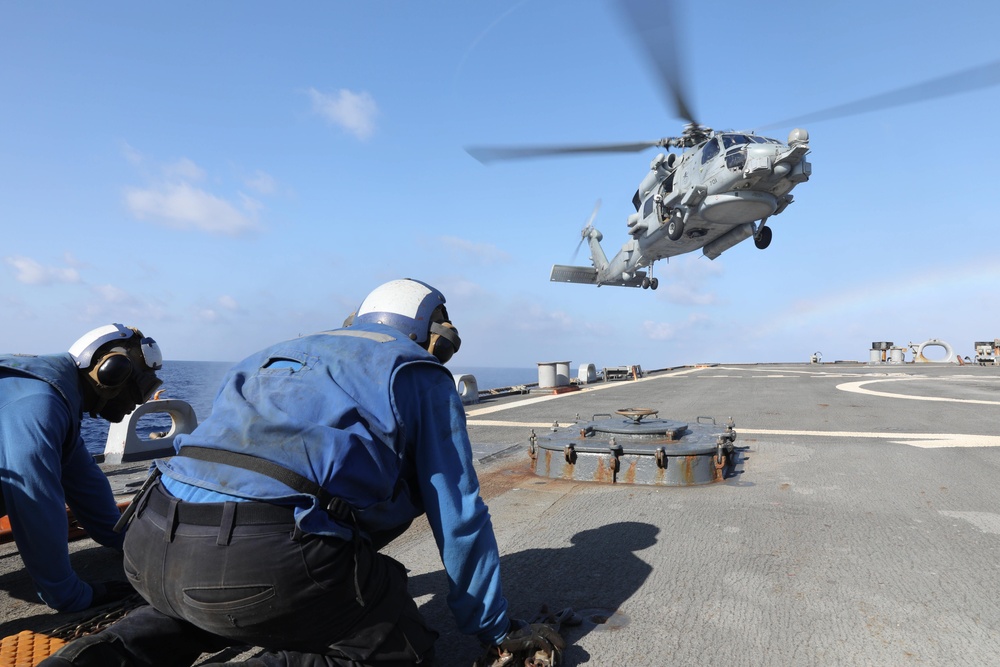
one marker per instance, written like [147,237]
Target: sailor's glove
[534,645]
[106,592]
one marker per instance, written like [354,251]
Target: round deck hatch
[635,447]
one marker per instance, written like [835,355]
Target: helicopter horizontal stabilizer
[587,275]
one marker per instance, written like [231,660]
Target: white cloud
[672,330]
[534,317]
[207,315]
[114,295]
[688,295]
[184,206]
[685,280]
[73,262]
[31,272]
[659,330]
[228,302]
[184,170]
[478,253]
[354,112]
[131,154]
[457,288]
[114,304]
[261,182]
[175,197]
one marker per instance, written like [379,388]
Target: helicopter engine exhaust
[728,240]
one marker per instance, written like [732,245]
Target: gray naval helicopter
[723,187]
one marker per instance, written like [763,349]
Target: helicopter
[722,187]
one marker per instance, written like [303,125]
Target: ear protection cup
[444,341]
[113,370]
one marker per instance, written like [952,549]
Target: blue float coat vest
[321,406]
[60,372]
[44,465]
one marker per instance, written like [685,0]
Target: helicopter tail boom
[587,275]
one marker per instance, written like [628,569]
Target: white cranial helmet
[83,349]
[415,309]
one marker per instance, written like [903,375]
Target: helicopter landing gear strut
[762,237]
[650,282]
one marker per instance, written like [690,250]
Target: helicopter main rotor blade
[486,154]
[654,23]
[974,78]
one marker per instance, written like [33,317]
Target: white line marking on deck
[497,422]
[857,387]
[922,440]
[588,388]
[987,522]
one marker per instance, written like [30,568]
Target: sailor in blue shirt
[44,464]
[265,529]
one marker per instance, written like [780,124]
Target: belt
[211,514]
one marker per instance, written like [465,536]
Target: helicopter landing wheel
[654,283]
[645,283]
[762,238]
[675,229]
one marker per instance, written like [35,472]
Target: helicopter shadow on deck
[594,576]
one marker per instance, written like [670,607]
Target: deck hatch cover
[634,449]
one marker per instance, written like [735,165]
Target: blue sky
[225,175]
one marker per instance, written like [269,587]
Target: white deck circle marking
[858,388]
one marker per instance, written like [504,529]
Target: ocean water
[197,383]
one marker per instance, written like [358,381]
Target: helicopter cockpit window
[736,159]
[730,140]
[710,150]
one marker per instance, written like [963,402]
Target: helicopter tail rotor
[587,229]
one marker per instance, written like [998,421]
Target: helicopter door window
[710,150]
[647,207]
[668,183]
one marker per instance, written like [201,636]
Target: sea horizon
[197,382]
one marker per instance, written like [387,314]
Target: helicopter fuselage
[715,194]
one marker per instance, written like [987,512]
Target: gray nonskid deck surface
[861,529]
[836,543]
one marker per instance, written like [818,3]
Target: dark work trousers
[220,574]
